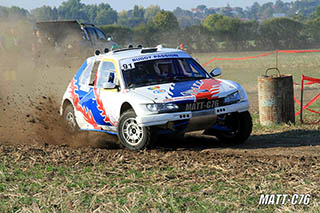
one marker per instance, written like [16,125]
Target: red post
[277,59]
[301,105]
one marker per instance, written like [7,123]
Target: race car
[139,93]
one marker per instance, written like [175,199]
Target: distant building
[279,15]
[196,10]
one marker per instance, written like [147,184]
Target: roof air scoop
[149,50]
[160,46]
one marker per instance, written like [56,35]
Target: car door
[107,98]
[95,101]
[83,96]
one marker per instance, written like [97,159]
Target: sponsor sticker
[154,88]
[194,92]
[159,91]
[202,105]
[127,64]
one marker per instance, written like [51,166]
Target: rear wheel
[131,135]
[240,126]
[70,118]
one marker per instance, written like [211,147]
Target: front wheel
[239,125]
[131,135]
[70,118]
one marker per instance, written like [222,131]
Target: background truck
[70,38]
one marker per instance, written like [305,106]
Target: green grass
[148,182]
[61,179]
[247,71]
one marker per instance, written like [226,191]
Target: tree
[123,18]
[227,28]
[167,27]
[186,18]
[17,12]
[199,39]
[202,7]
[313,31]
[247,34]
[266,11]
[132,18]
[145,34]
[138,12]
[45,13]
[281,33]
[210,22]
[316,13]
[281,7]
[165,21]
[73,9]
[4,12]
[120,34]
[150,12]
[305,7]
[106,15]
[253,11]
[91,11]
[187,21]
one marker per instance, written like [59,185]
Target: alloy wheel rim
[132,132]
[71,120]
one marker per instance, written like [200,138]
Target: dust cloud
[32,84]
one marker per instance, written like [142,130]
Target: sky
[120,5]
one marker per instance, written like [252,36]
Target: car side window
[84,34]
[94,73]
[106,74]
[92,33]
[195,69]
[84,78]
[100,34]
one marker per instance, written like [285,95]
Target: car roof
[139,52]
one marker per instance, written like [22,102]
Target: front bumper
[197,119]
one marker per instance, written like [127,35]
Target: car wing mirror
[216,72]
[109,85]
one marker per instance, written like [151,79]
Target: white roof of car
[141,52]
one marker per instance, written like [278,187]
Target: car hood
[187,91]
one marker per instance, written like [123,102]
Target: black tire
[241,125]
[70,118]
[130,134]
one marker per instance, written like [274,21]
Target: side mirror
[216,72]
[109,85]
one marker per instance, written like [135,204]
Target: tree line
[204,30]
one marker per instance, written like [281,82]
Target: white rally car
[137,93]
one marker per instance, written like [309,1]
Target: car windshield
[152,72]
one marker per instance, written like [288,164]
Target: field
[43,169]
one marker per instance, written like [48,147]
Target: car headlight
[160,107]
[232,98]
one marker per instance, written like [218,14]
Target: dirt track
[30,106]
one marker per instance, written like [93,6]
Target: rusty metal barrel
[275,98]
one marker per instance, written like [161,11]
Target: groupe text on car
[139,93]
